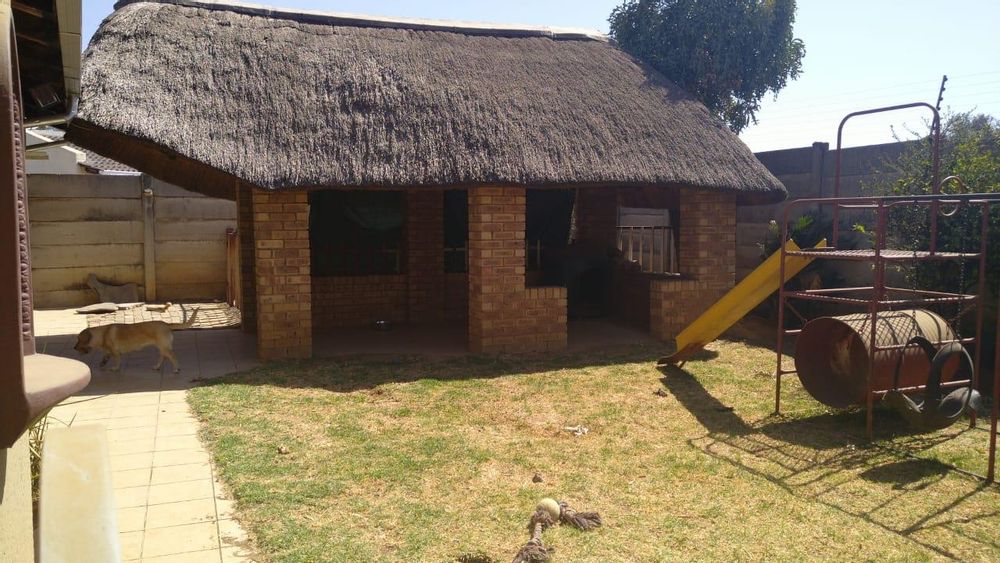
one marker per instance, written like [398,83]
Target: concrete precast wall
[832,354]
[809,172]
[168,241]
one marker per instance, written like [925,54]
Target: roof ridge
[360,20]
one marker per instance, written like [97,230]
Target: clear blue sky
[859,54]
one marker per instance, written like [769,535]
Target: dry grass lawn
[413,460]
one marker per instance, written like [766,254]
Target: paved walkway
[171,506]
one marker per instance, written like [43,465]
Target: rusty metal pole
[780,345]
[878,295]
[995,412]
[980,300]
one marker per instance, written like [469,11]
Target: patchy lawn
[413,460]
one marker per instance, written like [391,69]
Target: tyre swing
[934,412]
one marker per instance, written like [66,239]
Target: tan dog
[117,339]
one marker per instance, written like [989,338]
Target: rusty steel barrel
[832,354]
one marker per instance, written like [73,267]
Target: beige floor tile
[142,398]
[177,492]
[130,478]
[179,457]
[179,429]
[131,544]
[224,508]
[126,434]
[178,473]
[180,539]
[167,443]
[169,397]
[175,408]
[131,422]
[131,446]
[131,461]
[176,418]
[132,519]
[207,556]
[86,415]
[236,554]
[231,533]
[179,513]
[129,497]
[134,411]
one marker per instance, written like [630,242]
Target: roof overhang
[48,45]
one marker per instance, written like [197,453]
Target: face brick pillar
[248,279]
[706,247]
[425,256]
[281,263]
[504,316]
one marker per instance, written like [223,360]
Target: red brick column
[425,256]
[248,279]
[706,249]
[504,316]
[284,288]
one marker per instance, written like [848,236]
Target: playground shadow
[824,459]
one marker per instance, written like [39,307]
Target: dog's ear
[84,337]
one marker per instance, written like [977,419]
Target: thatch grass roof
[202,94]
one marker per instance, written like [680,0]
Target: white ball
[551,506]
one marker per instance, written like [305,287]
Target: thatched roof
[201,94]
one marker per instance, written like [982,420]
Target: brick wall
[504,315]
[358,301]
[706,259]
[283,281]
[425,256]
[248,280]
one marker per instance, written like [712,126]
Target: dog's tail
[186,324]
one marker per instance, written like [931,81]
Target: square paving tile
[179,473]
[167,443]
[139,446]
[132,519]
[177,429]
[196,537]
[179,457]
[132,461]
[179,513]
[130,497]
[131,544]
[185,490]
[207,556]
[130,478]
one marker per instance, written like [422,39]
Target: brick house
[425,172]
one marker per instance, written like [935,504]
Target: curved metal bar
[936,134]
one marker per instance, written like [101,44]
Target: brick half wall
[706,259]
[358,301]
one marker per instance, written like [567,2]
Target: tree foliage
[727,53]
[970,149]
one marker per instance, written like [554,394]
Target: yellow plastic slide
[734,305]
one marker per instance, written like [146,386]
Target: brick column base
[283,283]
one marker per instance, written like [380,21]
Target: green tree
[727,53]
[970,149]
